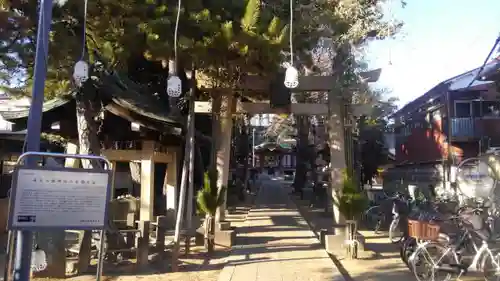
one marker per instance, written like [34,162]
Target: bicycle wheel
[407,248]
[395,233]
[426,262]
[490,266]
[373,218]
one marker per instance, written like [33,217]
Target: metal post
[9,254]
[450,138]
[191,143]
[184,180]
[24,245]
[253,147]
[102,252]
[482,126]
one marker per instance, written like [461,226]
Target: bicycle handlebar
[397,195]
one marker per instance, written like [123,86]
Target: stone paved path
[276,244]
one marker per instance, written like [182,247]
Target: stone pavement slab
[381,260]
[276,244]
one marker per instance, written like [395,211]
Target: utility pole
[24,243]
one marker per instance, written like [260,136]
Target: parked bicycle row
[441,239]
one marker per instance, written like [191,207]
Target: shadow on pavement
[381,261]
[269,248]
[276,243]
[381,273]
[267,259]
[266,239]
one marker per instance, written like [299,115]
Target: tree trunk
[241,151]
[246,152]
[88,144]
[212,168]
[302,145]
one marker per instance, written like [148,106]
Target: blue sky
[440,39]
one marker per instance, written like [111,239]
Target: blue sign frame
[12,206]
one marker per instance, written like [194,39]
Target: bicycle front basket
[423,230]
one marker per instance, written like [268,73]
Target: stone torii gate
[224,106]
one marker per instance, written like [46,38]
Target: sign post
[57,198]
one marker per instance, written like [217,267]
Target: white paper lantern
[81,73]
[174,86]
[291,77]
[411,191]
[38,260]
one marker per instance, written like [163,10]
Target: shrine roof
[19,112]
[119,92]
[274,147]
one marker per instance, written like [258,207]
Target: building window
[486,109]
[463,109]
[491,108]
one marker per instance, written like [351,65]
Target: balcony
[469,128]
[463,127]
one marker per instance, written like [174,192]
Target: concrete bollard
[143,244]
[161,228]
[322,237]
[351,243]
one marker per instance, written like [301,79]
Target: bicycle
[456,257]
[400,209]
[443,207]
[409,243]
[375,216]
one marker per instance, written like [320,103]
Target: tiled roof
[21,112]
[122,92]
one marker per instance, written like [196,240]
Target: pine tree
[224,39]
[209,198]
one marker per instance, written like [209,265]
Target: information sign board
[476,180]
[59,198]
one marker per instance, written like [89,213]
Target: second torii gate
[224,106]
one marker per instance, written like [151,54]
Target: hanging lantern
[81,73]
[291,78]
[38,260]
[174,86]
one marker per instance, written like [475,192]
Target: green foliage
[350,201]
[224,39]
[54,138]
[209,198]
[372,128]
[251,17]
